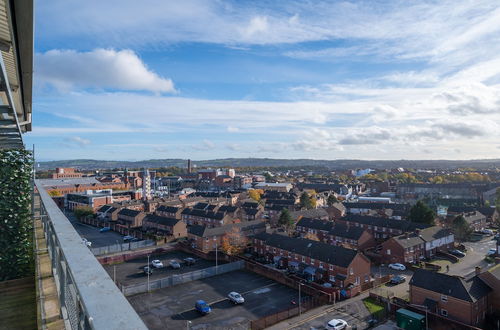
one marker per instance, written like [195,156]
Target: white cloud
[76,140]
[100,68]
[232,129]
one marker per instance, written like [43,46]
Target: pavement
[173,307]
[353,311]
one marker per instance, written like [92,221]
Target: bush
[16,225]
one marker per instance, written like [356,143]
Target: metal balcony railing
[89,299]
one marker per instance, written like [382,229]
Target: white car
[86,242]
[157,264]
[236,298]
[174,264]
[491,252]
[397,266]
[336,324]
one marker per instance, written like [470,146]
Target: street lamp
[149,270]
[300,299]
[188,325]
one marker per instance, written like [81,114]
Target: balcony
[87,296]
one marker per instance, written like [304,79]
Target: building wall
[463,311]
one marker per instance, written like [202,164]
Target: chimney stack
[478,270]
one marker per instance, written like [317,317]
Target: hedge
[16,225]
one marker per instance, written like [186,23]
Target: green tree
[286,219]
[497,199]
[422,213]
[83,211]
[461,228]
[332,200]
[305,201]
[268,176]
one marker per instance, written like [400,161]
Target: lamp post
[216,260]
[300,299]
[149,270]
[188,325]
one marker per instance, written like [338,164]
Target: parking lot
[93,235]
[173,307]
[131,271]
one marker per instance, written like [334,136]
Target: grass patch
[374,307]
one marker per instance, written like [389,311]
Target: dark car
[148,270]
[104,229]
[398,279]
[189,261]
[202,307]
[457,253]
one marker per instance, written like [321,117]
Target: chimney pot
[478,270]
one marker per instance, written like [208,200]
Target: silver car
[236,298]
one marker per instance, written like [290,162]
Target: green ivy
[16,225]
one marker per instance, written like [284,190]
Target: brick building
[335,264]
[207,239]
[66,173]
[451,296]
[131,218]
[169,211]
[164,226]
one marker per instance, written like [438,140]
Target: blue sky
[204,79]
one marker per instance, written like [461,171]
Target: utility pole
[114,274]
[216,260]
[300,300]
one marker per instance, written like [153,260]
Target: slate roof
[316,224]
[350,232]
[335,255]
[313,213]
[378,206]
[280,201]
[200,206]
[409,240]
[487,211]
[129,213]
[250,211]
[104,208]
[248,205]
[228,208]
[204,231]
[203,213]
[473,216]
[321,187]
[166,221]
[434,232]
[168,209]
[383,222]
[453,286]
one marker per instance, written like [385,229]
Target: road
[476,251]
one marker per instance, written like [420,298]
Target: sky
[202,79]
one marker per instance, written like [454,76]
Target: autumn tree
[311,236]
[422,213]
[54,193]
[256,194]
[234,241]
[461,228]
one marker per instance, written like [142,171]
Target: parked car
[157,263]
[398,279]
[491,252]
[236,298]
[189,261]
[148,270]
[128,238]
[174,264]
[104,229]
[202,307]
[397,266]
[86,242]
[336,324]
[488,232]
[457,253]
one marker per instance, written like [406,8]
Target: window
[267,248]
[444,312]
[351,271]
[320,265]
[331,267]
[388,252]
[312,261]
[367,278]
[274,250]
[303,259]
[332,278]
[444,298]
[215,238]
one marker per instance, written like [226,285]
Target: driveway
[476,251]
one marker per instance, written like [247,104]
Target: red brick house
[164,226]
[207,239]
[351,237]
[492,278]
[207,218]
[335,264]
[410,248]
[130,218]
[451,296]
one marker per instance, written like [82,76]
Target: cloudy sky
[207,79]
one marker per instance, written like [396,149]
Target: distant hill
[340,164]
